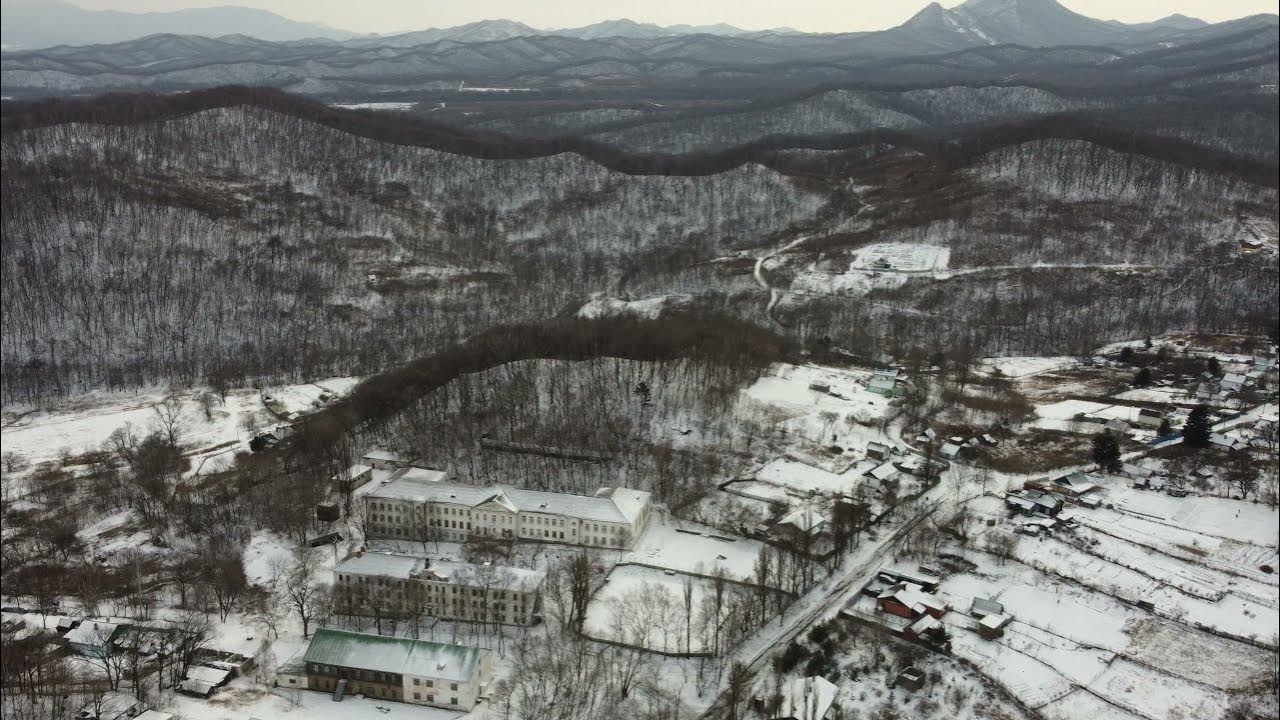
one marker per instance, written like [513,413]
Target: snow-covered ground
[691,548]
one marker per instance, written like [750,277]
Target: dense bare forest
[246,242]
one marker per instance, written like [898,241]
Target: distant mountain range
[44,23]
[624,55]
[34,24]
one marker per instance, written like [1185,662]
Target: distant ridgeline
[954,147]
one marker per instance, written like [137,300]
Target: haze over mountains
[614,55]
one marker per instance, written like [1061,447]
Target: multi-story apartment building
[420,509]
[388,668]
[387,585]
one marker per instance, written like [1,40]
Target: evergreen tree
[1166,428]
[1196,432]
[1106,451]
[1142,378]
[1214,366]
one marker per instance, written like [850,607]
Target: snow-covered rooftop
[394,655]
[404,567]
[620,505]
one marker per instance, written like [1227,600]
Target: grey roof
[984,606]
[394,655]
[621,505]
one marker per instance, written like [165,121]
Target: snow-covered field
[687,547]
[645,607]
[902,257]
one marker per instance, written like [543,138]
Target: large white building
[418,508]
[388,585]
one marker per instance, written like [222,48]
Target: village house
[400,669]
[805,698]
[1074,484]
[1149,418]
[899,573]
[1031,502]
[991,627]
[951,450]
[910,601]
[878,451]
[94,638]
[417,508]
[378,584]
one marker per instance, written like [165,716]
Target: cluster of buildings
[404,501]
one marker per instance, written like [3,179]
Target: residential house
[806,698]
[420,508]
[1074,485]
[951,450]
[1149,418]
[991,627]
[884,385]
[111,705]
[386,585]
[921,626]
[1232,382]
[400,669]
[94,638]
[878,451]
[1030,502]
[910,601]
[900,573]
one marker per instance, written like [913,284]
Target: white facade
[410,509]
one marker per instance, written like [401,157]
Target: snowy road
[758,272]
[830,596]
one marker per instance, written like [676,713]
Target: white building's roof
[382,565]
[91,633]
[382,455]
[211,675]
[883,471]
[618,505]
[913,597]
[807,698]
[418,658]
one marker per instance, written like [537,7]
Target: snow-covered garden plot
[1031,681]
[1234,614]
[1016,368]
[804,479]
[644,607]
[816,415]
[1062,415]
[294,400]
[1211,516]
[691,548]
[901,257]
[1170,395]
[1155,695]
[1082,703]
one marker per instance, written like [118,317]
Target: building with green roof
[402,669]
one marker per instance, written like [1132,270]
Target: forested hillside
[244,243]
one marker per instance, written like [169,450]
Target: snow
[648,308]
[376,106]
[645,607]
[902,257]
[1023,367]
[663,544]
[805,479]
[243,699]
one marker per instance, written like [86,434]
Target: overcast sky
[388,16]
